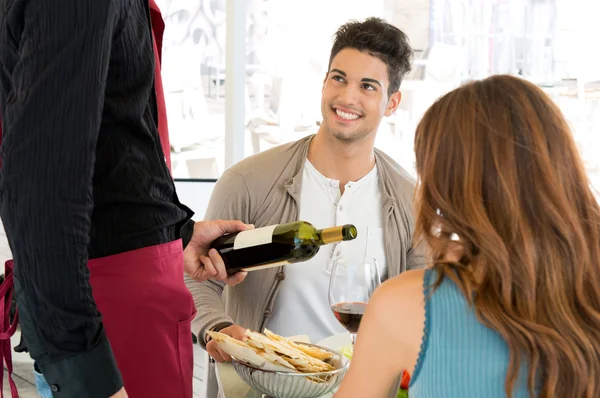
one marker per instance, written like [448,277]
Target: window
[192,69]
[287,49]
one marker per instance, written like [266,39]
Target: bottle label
[254,237]
[270,265]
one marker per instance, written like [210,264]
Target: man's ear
[393,103]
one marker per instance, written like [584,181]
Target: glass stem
[353,337]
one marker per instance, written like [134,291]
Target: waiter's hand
[120,394]
[202,264]
[235,331]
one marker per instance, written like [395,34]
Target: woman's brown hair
[499,169]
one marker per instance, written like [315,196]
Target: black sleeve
[186,232]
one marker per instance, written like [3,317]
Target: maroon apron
[147,312]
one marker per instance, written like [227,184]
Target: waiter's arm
[51,122]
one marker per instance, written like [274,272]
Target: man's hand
[201,262]
[120,394]
[235,331]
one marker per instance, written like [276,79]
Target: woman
[510,306]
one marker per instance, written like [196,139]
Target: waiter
[88,202]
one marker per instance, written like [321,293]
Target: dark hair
[380,39]
[498,167]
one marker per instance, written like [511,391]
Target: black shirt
[83,174]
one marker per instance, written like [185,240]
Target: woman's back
[460,357]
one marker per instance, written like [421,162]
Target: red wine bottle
[277,245]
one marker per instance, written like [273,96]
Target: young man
[88,202]
[334,177]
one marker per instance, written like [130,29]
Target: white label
[271,265]
[254,237]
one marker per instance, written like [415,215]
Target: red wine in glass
[351,285]
[349,314]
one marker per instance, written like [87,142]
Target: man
[88,202]
[332,178]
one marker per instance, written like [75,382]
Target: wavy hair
[499,169]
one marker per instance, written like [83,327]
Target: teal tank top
[460,357]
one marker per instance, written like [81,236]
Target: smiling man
[334,177]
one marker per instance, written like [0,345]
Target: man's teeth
[348,116]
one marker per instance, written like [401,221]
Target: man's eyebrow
[369,80]
[364,79]
[341,72]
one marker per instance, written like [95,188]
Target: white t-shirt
[302,304]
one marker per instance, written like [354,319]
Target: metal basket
[294,385]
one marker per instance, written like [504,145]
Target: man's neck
[339,160]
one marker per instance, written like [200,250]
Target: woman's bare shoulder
[408,286]
[398,307]
[403,294]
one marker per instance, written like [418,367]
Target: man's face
[354,98]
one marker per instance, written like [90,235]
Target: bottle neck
[336,234]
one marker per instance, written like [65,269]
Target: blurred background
[283,51]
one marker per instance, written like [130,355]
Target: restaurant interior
[243,76]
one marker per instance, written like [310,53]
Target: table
[232,386]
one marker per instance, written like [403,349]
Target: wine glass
[351,285]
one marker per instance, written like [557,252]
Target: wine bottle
[277,245]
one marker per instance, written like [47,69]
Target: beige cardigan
[265,190]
